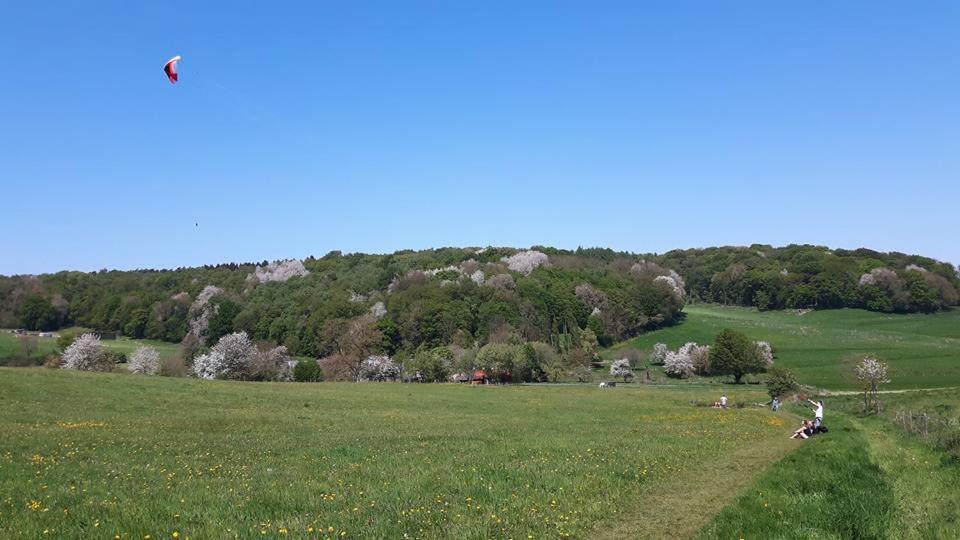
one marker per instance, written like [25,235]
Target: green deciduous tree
[734,354]
[780,382]
[307,370]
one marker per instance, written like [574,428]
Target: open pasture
[107,454]
[821,347]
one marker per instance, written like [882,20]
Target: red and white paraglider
[170,68]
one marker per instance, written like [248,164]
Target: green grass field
[821,347]
[105,454]
[9,346]
[108,455]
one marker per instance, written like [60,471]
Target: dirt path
[903,391]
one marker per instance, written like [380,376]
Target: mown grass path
[681,505]
[861,480]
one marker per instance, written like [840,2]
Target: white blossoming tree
[654,271]
[378,310]
[871,373]
[230,358]
[678,365]
[144,361]
[201,311]
[526,262]
[278,271]
[883,277]
[477,277]
[699,356]
[675,288]
[592,298]
[621,368]
[208,366]
[660,351]
[86,354]
[765,351]
[378,368]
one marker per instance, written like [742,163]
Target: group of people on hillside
[805,431]
[811,427]
[722,404]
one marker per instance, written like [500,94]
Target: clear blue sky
[299,128]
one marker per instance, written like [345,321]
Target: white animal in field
[608,385]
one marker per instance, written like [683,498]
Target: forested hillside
[467,297]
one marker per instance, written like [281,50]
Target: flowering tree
[86,354]
[883,277]
[660,351]
[659,274]
[378,368]
[201,310]
[477,277]
[378,310]
[765,351]
[526,262]
[699,356]
[592,297]
[676,289]
[208,366]
[228,359]
[144,361]
[677,364]
[621,368]
[871,373]
[278,271]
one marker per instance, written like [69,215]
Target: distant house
[479,377]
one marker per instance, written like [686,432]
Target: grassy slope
[822,346]
[864,479]
[46,346]
[118,454]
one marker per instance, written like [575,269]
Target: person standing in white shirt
[723,401]
[817,412]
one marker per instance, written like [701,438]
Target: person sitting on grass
[805,431]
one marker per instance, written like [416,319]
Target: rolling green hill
[821,347]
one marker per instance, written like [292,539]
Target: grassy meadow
[119,455]
[10,347]
[822,347]
[109,454]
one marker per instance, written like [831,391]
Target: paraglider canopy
[170,68]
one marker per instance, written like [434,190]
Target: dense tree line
[815,277]
[415,300]
[420,300]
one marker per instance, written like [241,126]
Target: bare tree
[28,345]
[358,341]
